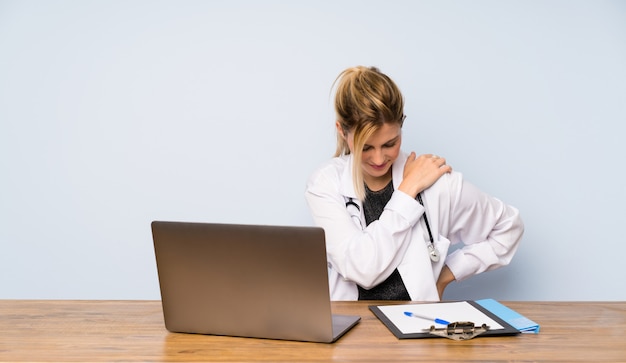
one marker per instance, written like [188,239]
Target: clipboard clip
[460,330]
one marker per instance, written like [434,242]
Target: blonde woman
[390,217]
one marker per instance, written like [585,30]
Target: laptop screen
[244,280]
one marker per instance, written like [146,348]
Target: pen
[436,320]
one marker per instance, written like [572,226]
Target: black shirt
[393,287]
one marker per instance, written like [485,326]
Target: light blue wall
[117,113]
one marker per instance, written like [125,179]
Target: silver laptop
[246,280]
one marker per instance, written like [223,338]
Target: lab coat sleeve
[490,230]
[364,256]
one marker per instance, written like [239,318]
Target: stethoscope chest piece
[434,254]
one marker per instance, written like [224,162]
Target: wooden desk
[42,330]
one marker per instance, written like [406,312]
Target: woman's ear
[340,130]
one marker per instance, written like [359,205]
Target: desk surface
[45,330]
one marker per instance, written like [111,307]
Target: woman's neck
[378,183]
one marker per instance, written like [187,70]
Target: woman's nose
[378,157]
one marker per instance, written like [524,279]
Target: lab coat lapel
[349,194]
[347,182]
[397,170]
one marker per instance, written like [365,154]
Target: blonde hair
[365,99]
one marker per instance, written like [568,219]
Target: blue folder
[517,320]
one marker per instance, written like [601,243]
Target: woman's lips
[379,167]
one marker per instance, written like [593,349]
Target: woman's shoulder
[330,170]
[332,166]
[453,177]
[448,184]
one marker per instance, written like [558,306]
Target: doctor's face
[379,152]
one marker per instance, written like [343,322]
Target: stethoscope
[432,250]
[355,216]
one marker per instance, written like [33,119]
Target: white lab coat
[457,213]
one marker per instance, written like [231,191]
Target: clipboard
[394,317]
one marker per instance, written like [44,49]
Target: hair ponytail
[365,99]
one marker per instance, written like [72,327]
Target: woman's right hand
[420,172]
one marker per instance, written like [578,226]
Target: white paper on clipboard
[452,312]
